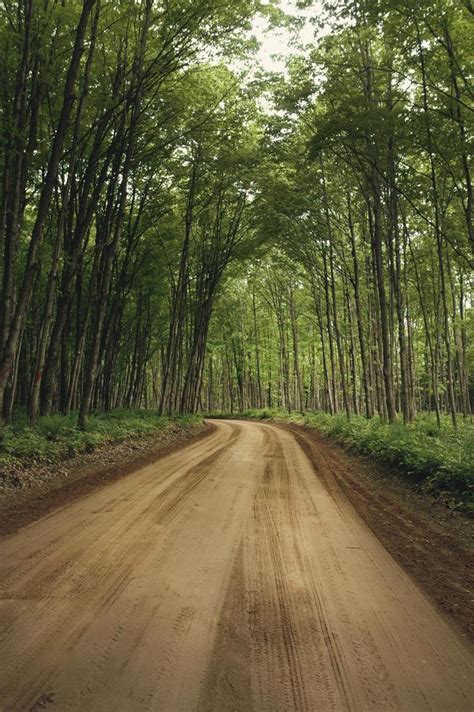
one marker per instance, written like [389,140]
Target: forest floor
[259,568]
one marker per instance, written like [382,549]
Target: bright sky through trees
[278,44]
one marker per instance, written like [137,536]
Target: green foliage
[56,437]
[444,459]
[265,414]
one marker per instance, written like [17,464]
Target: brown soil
[233,574]
[432,543]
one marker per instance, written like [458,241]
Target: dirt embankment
[36,491]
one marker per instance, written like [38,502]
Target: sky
[278,44]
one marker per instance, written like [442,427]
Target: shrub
[56,436]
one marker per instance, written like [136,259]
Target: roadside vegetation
[440,459]
[57,437]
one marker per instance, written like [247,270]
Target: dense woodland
[183,231]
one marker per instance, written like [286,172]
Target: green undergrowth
[57,437]
[440,460]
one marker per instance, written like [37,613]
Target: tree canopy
[184,231]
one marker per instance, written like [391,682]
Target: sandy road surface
[227,576]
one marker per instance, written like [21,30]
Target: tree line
[366,304]
[117,141]
[176,235]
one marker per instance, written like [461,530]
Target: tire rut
[230,576]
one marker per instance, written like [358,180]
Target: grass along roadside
[53,464]
[56,437]
[440,461]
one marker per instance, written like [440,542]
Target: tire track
[100,573]
[328,620]
[229,576]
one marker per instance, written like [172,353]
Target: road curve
[226,576]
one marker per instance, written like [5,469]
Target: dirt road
[227,576]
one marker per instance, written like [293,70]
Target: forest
[236,355]
[183,230]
